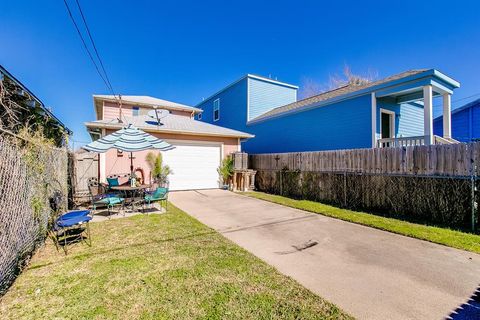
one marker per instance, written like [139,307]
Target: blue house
[389,112]
[465,122]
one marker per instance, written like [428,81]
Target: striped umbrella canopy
[129,139]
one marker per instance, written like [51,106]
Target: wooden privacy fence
[436,160]
[429,184]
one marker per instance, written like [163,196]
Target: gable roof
[171,124]
[147,101]
[338,92]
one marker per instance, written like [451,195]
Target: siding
[111,111]
[410,122]
[264,96]
[343,125]
[408,118]
[465,124]
[233,107]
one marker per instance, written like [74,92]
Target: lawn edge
[438,230]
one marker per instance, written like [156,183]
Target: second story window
[135,111]
[199,116]
[216,109]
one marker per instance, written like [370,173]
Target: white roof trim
[161,103]
[184,132]
[248,75]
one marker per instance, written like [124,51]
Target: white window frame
[199,116]
[216,107]
[392,119]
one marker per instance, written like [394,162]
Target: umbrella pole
[131,163]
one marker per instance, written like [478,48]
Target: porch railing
[401,142]
[411,141]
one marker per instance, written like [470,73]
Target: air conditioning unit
[240,160]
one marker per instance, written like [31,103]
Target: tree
[312,88]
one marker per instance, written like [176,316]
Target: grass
[447,237]
[167,266]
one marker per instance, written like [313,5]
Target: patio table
[132,195]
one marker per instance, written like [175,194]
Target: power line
[461,99]
[86,47]
[94,47]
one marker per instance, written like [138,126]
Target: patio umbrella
[129,139]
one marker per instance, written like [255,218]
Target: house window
[135,111]
[216,110]
[199,116]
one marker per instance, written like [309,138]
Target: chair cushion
[65,223]
[112,182]
[114,200]
[73,214]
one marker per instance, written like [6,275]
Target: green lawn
[451,238]
[167,266]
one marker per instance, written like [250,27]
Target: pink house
[199,146]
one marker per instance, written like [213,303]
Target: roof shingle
[171,123]
[333,94]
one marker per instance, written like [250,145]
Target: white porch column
[428,114]
[447,115]
[374,120]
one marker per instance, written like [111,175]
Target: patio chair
[100,198]
[70,228]
[159,195]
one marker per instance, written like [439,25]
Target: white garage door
[194,165]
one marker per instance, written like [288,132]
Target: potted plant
[226,171]
[158,171]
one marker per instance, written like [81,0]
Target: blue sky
[183,51]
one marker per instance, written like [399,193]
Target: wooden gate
[85,166]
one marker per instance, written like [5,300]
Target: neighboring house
[465,122]
[396,110]
[199,146]
[20,107]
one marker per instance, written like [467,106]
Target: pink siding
[111,110]
[121,165]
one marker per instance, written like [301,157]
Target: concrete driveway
[369,273]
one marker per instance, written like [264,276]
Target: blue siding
[264,96]
[438,126]
[233,107]
[343,125]
[408,118]
[465,123]
[475,121]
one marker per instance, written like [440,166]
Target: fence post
[281,182]
[473,191]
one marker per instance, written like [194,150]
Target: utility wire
[86,47]
[461,99]
[95,47]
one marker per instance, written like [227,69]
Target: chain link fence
[30,177]
[448,201]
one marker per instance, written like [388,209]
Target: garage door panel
[194,166]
